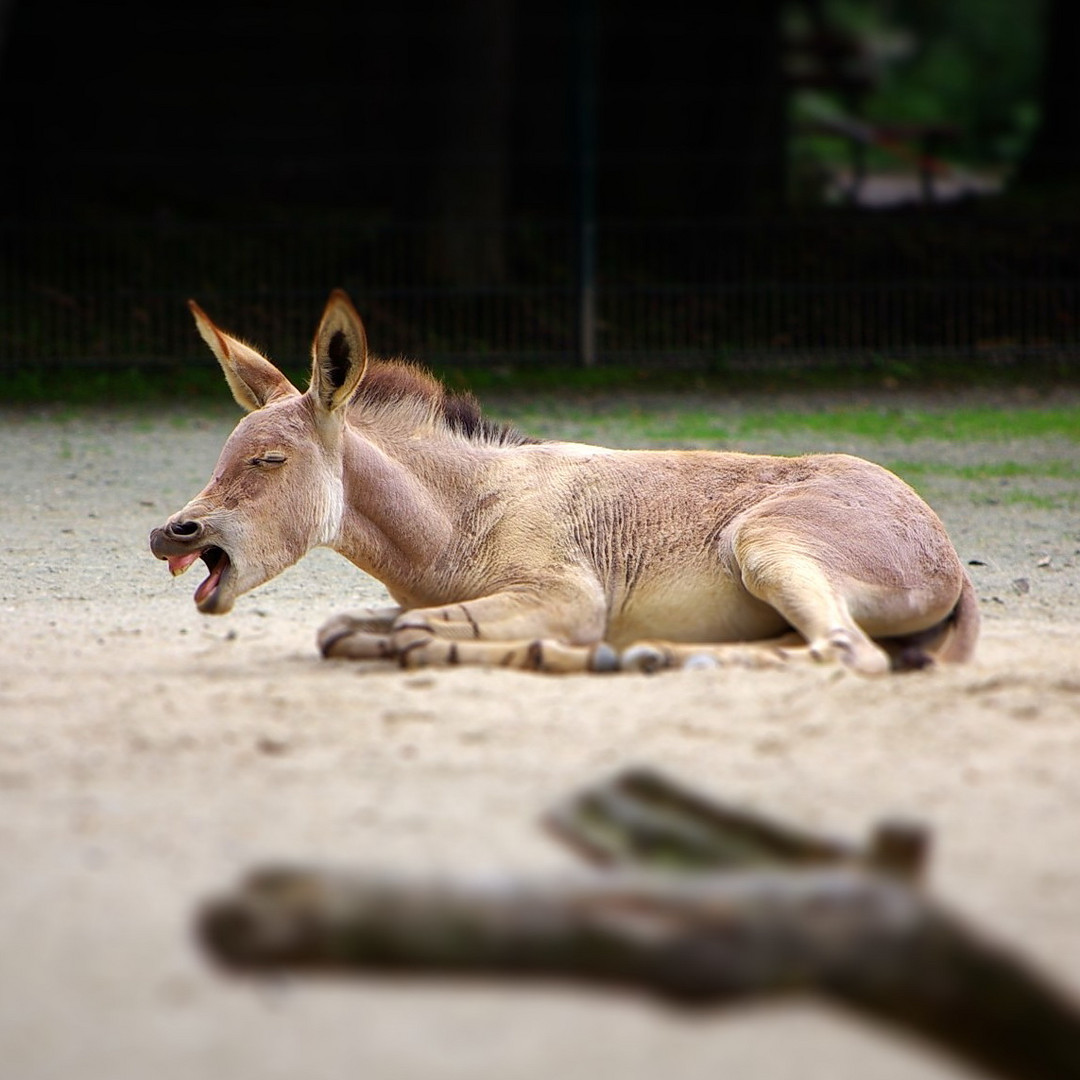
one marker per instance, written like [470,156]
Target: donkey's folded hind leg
[650,656]
[800,589]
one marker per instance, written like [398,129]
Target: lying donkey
[500,549]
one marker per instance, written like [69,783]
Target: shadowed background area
[846,185]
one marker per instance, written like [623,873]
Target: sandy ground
[148,755]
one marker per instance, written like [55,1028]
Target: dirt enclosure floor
[148,755]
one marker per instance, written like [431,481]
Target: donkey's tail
[962,627]
[952,641]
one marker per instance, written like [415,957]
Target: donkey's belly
[693,611]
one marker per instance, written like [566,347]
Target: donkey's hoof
[644,658]
[852,650]
[603,658]
[701,661]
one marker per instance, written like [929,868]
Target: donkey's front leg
[554,627]
[560,608]
[418,648]
[373,621]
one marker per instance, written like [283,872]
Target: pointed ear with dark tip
[253,380]
[339,354]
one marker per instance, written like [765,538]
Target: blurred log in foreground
[847,931]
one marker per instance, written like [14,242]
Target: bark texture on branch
[859,938]
[798,913]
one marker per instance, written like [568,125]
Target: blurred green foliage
[971,63]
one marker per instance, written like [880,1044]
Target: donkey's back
[693,547]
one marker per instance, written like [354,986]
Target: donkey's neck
[400,500]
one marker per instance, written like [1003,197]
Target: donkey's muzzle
[176,538]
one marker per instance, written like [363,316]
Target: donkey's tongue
[179,563]
[211,583]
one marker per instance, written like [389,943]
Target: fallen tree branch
[791,912]
[857,937]
[640,817]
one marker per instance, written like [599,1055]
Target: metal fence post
[585,121]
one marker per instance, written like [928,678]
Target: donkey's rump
[851,555]
[875,541]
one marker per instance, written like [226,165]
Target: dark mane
[401,386]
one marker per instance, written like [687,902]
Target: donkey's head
[277,490]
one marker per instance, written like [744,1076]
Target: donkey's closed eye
[274,457]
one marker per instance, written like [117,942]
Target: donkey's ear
[339,354]
[253,380]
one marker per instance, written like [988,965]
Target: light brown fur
[501,550]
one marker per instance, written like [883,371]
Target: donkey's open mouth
[208,594]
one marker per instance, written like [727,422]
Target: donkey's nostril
[185,529]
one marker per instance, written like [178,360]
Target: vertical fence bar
[585,45]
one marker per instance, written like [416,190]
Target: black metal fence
[836,287]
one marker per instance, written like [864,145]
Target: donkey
[503,550]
